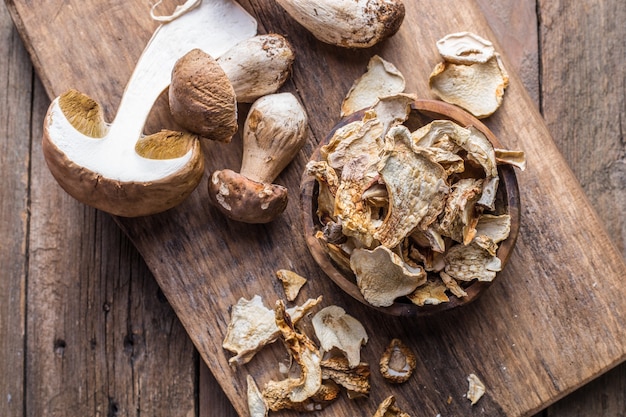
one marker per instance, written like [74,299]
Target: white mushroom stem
[274,132]
[213,26]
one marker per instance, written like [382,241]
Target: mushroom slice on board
[388,408]
[252,326]
[98,163]
[335,328]
[465,48]
[354,379]
[397,362]
[382,276]
[306,355]
[381,79]
[478,88]
[292,283]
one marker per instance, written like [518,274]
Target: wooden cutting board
[551,322]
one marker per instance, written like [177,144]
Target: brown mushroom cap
[201,97]
[245,200]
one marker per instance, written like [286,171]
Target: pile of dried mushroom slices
[412,213]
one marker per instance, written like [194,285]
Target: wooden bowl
[507,201]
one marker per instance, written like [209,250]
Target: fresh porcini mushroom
[273,133]
[201,97]
[258,66]
[112,166]
[347,23]
[204,91]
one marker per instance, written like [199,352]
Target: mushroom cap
[242,199]
[348,23]
[120,197]
[202,98]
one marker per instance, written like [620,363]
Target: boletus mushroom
[113,166]
[205,90]
[347,23]
[274,131]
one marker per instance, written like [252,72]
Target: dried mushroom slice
[335,328]
[432,292]
[469,262]
[393,110]
[382,276]
[443,134]
[355,379]
[478,88]
[256,404]
[306,355]
[252,326]
[397,362]
[292,283]
[276,396]
[355,140]
[452,285]
[497,228]
[388,408]
[465,48]
[459,218]
[416,185]
[476,389]
[514,158]
[381,79]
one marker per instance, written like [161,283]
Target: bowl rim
[508,184]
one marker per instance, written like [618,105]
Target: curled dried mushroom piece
[476,388]
[388,408]
[413,212]
[292,283]
[471,75]
[335,328]
[397,362]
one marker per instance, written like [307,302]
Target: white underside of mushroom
[214,26]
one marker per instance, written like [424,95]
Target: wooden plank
[102,338]
[516,384]
[584,107]
[16,75]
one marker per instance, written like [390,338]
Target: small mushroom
[274,131]
[397,362]
[258,66]
[113,166]
[201,97]
[347,23]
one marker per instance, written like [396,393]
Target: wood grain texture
[514,356]
[84,327]
[15,118]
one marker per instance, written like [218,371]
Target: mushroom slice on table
[292,283]
[382,276]
[478,88]
[397,362]
[465,48]
[335,328]
[99,164]
[381,79]
[279,394]
[253,325]
[356,379]
[388,408]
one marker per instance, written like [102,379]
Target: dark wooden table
[84,328]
